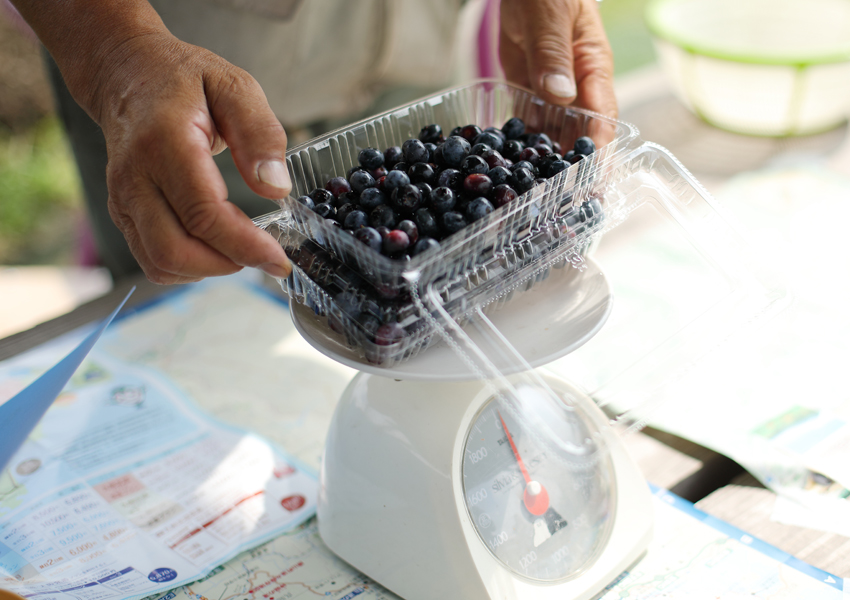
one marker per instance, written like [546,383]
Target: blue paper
[21,413]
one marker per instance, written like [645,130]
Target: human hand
[559,49]
[165,111]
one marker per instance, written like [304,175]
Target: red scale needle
[535,497]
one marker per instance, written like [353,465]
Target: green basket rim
[652,17]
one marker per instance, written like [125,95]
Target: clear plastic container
[492,266]
[563,214]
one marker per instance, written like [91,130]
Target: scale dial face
[543,511]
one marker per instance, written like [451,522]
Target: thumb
[253,133]
[548,35]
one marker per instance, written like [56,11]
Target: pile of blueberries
[405,200]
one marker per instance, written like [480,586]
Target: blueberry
[474,164]
[400,166]
[513,128]
[325,210]
[392,155]
[437,157]
[425,190]
[355,219]
[337,186]
[389,334]
[569,155]
[426,223]
[431,133]
[432,149]
[530,155]
[410,228]
[442,200]
[478,184]
[494,158]
[556,167]
[343,211]
[490,139]
[504,194]
[306,201]
[378,173]
[556,147]
[523,164]
[370,237]
[346,198]
[543,149]
[396,242]
[424,245]
[353,170]
[478,209]
[576,158]
[470,132]
[382,216]
[406,199]
[521,180]
[537,138]
[498,175]
[320,196]
[479,149]
[452,222]
[456,131]
[395,179]
[372,197]
[584,145]
[361,180]
[497,132]
[455,149]
[423,172]
[450,178]
[511,150]
[370,158]
[414,151]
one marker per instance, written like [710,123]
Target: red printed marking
[292,503]
[117,488]
[213,520]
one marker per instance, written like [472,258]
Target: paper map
[266,378]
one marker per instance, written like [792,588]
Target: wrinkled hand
[559,49]
[165,110]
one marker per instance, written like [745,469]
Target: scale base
[391,499]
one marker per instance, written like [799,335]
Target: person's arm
[559,49]
[166,107]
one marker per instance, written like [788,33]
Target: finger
[594,63]
[255,136]
[547,34]
[134,241]
[514,62]
[195,191]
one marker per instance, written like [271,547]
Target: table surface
[717,484]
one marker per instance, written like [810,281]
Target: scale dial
[544,511]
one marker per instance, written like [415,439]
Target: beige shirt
[319,59]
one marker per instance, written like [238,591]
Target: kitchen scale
[437,484]
[459,469]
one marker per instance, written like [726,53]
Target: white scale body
[402,451]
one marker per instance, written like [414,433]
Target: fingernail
[275,270]
[559,85]
[274,173]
